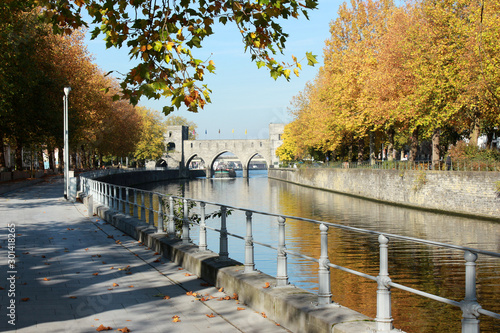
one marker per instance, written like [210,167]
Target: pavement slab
[72,273]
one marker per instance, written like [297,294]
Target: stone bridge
[181,151]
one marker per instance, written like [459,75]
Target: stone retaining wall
[146,176]
[460,192]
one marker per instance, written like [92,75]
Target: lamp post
[66,145]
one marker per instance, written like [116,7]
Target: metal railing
[132,201]
[402,165]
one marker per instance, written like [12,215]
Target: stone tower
[275,140]
[173,138]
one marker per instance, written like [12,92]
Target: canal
[434,270]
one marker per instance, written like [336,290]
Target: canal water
[428,268]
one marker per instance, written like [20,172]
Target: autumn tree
[151,143]
[427,70]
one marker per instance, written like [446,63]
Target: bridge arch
[210,165]
[161,163]
[209,150]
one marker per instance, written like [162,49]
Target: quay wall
[147,176]
[456,192]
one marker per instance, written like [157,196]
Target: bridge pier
[245,172]
[208,172]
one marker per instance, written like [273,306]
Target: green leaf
[260,64]
[311,59]
[157,46]
[167,110]
[275,74]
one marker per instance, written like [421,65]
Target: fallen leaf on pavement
[239,309]
[166,297]
[267,285]
[124,330]
[25,299]
[221,289]
[95,273]
[210,315]
[176,319]
[263,314]
[46,279]
[115,284]
[103,328]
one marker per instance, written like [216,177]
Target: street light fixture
[66,145]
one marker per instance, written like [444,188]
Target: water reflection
[431,269]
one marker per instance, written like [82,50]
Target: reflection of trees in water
[431,269]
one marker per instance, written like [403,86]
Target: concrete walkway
[73,274]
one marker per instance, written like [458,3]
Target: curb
[6,188]
[292,307]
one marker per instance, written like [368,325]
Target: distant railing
[157,210]
[401,165]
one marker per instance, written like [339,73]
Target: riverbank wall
[147,176]
[473,193]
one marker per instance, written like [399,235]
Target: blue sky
[243,97]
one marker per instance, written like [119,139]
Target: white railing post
[470,306]
[281,271]
[115,197]
[185,223]
[143,207]
[159,224]
[223,245]
[384,316]
[127,201]
[249,250]
[324,290]
[171,217]
[120,199]
[135,209]
[203,230]
[151,210]
[101,192]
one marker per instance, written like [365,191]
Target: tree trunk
[60,158]
[390,147]
[474,136]
[3,163]
[435,149]
[41,165]
[372,148]
[361,148]
[414,145]
[50,153]
[19,157]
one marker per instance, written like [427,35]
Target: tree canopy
[396,75]
[35,65]
[164,35]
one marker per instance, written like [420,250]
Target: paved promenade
[72,273]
